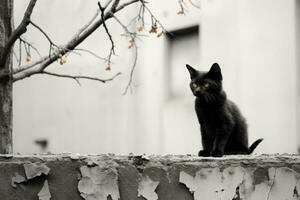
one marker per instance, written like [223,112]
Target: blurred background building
[256,43]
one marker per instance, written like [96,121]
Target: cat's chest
[209,116]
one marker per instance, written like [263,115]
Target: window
[183,49]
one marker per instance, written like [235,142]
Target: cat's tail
[254,145]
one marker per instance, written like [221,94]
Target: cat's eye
[206,84]
[194,85]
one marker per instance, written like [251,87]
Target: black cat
[223,128]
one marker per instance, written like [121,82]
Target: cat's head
[206,85]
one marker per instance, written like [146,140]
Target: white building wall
[273,95]
[253,40]
[91,118]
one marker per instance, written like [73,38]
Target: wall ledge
[107,176]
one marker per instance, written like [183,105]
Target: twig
[107,4]
[132,44]
[131,34]
[126,4]
[193,4]
[71,45]
[81,77]
[89,23]
[132,70]
[62,49]
[114,6]
[182,6]
[44,33]
[92,53]
[29,66]
[155,21]
[16,57]
[30,45]
[17,32]
[112,49]
[20,52]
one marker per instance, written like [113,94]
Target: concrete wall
[105,177]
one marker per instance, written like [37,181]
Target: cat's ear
[193,72]
[215,72]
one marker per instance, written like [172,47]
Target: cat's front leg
[204,153]
[219,145]
[207,144]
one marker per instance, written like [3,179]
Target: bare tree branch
[132,43]
[183,6]
[20,52]
[107,3]
[193,4]
[89,23]
[30,65]
[75,77]
[130,34]
[114,6]
[18,32]
[43,59]
[126,4]
[44,33]
[154,21]
[92,53]
[15,55]
[71,45]
[112,49]
[30,45]
[107,12]
[48,38]
[132,70]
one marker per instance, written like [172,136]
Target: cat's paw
[204,153]
[216,153]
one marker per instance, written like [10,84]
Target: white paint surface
[44,193]
[213,184]
[99,182]
[147,188]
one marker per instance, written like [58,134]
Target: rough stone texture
[6,27]
[273,177]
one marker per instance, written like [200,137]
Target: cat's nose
[197,89]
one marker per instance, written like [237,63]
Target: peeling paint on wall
[211,183]
[281,185]
[232,182]
[98,182]
[167,178]
[147,188]
[17,179]
[44,194]
[33,170]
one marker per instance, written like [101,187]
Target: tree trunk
[6,28]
